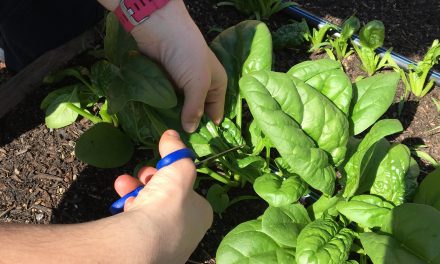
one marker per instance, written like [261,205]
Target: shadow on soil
[88,198]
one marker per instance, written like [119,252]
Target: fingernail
[190,126]
[172,133]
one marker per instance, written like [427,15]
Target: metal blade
[218,155]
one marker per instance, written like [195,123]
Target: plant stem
[217,177]
[243,198]
[84,114]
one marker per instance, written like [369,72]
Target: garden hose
[318,22]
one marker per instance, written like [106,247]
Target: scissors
[118,206]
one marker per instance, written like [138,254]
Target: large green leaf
[59,113]
[372,97]
[323,241]
[248,243]
[328,77]
[102,75]
[243,48]
[415,237]
[280,191]
[357,163]
[141,80]
[324,205]
[429,190]
[117,41]
[366,210]
[270,97]
[104,146]
[390,182]
[284,224]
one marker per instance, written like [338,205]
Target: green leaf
[279,191]
[366,210]
[117,41]
[328,77]
[58,113]
[415,237]
[284,224]
[357,163]
[390,182]
[384,249]
[141,80]
[290,35]
[76,72]
[242,48]
[323,241]
[218,198]
[376,153]
[247,243]
[271,114]
[136,124]
[429,190]
[200,145]
[372,34]
[102,75]
[349,27]
[372,97]
[324,205]
[104,146]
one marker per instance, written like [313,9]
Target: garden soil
[41,181]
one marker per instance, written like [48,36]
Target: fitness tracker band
[133,12]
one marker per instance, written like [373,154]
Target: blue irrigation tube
[316,21]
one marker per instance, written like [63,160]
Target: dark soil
[42,182]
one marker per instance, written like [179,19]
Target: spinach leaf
[428,192]
[269,109]
[218,198]
[104,146]
[372,96]
[243,48]
[366,210]
[390,182]
[140,80]
[117,41]
[372,34]
[324,205]
[248,243]
[280,191]
[59,113]
[323,241]
[415,236]
[284,224]
[357,163]
[328,77]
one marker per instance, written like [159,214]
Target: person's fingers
[181,172]
[195,90]
[125,184]
[128,203]
[146,173]
[215,99]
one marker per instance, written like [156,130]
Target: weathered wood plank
[14,90]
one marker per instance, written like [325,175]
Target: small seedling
[317,37]
[340,44]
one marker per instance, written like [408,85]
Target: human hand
[171,37]
[178,214]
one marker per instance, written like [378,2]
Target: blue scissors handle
[118,206]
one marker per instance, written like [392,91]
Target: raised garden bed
[42,182]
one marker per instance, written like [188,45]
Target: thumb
[180,174]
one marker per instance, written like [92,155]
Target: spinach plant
[124,89]
[371,37]
[340,44]
[312,116]
[291,35]
[258,9]
[415,79]
[317,37]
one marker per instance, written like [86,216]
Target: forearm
[125,238]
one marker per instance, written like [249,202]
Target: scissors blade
[218,155]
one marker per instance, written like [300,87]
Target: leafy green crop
[307,120]
[316,38]
[340,43]
[371,37]
[259,9]
[415,79]
[291,35]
